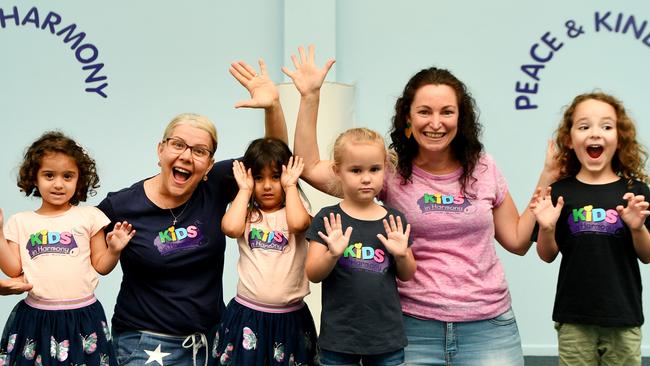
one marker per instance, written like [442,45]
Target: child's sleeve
[106,207]
[97,220]
[316,225]
[11,230]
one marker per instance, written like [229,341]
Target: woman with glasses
[172,292]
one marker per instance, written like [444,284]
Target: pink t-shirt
[459,276]
[55,251]
[272,262]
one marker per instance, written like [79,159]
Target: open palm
[262,90]
[335,238]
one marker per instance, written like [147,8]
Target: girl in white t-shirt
[267,323]
[59,248]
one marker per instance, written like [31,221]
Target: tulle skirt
[253,334]
[71,336]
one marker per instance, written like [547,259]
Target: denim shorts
[490,342]
[331,358]
[137,348]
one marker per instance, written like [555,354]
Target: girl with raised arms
[267,323]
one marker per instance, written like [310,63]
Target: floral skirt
[34,336]
[254,334]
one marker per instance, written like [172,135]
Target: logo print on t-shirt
[437,202]
[51,242]
[594,220]
[365,258]
[175,239]
[268,240]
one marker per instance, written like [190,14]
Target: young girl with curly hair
[595,215]
[59,248]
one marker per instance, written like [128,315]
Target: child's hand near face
[243,176]
[291,172]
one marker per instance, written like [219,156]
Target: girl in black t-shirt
[596,217]
[357,249]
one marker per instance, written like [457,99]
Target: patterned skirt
[44,333]
[255,334]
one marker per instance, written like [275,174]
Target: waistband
[266,308]
[68,304]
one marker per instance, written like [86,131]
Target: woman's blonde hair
[194,120]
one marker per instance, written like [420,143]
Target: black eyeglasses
[178,145]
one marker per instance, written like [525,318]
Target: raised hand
[262,90]
[635,212]
[120,236]
[551,161]
[336,239]
[243,176]
[396,239]
[307,77]
[542,207]
[291,172]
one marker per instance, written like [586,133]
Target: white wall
[163,59]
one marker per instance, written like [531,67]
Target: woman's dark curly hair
[629,161]
[466,146]
[56,142]
[262,153]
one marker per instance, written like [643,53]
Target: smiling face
[434,119]
[56,181]
[182,171]
[361,170]
[594,139]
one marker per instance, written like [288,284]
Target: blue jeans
[491,342]
[331,358]
[135,348]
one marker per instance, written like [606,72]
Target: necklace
[176,217]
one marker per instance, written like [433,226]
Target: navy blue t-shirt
[361,307]
[172,279]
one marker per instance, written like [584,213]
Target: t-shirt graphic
[438,202]
[365,258]
[175,239]
[592,220]
[51,242]
[259,238]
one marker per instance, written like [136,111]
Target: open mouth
[594,151]
[434,135]
[181,175]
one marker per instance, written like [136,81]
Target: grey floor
[552,361]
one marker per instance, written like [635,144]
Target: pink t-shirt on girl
[271,262]
[459,276]
[55,251]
